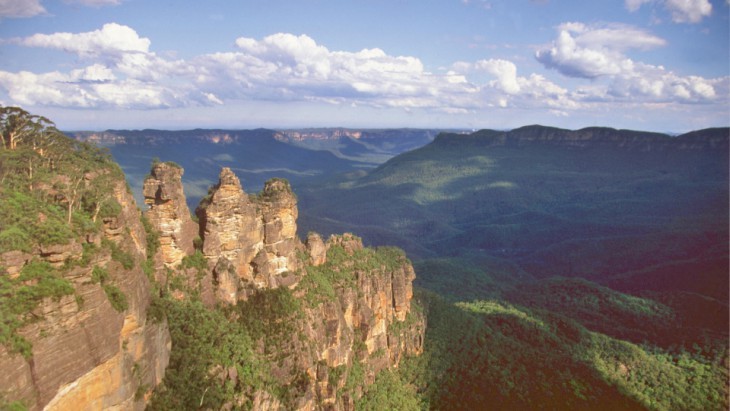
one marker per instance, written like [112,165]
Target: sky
[657,65]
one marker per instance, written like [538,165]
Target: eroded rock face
[168,212]
[249,241]
[87,355]
[279,213]
[369,322]
[316,249]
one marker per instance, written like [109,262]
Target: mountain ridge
[709,138]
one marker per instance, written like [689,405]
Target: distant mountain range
[255,155]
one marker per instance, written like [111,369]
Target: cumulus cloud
[598,53]
[116,68]
[111,39]
[682,11]
[505,88]
[688,11]
[20,8]
[286,66]
[93,86]
[589,52]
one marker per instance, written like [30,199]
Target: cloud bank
[20,8]
[682,11]
[599,53]
[117,68]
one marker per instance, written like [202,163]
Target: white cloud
[506,88]
[20,8]
[506,73]
[633,5]
[688,11]
[597,53]
[682,11]
[118,69]
[285,66]
[93,86]
[111,39]
[590,52]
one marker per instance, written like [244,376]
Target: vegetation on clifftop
[55,192]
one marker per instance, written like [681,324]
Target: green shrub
[116,297]
[270,314]
[110,208]
[15,238]
[205,340]
[153,237]
[20,296]
[119,255]
[99,275]
[195,260]
[389,392]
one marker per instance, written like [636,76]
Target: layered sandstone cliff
[86,353]
[249,241]
[168,212]
[353,316]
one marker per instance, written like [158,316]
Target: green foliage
[356,376]
[389,392]
[342,270]
[195,260]
[15,238]
[659,380]
[512,357]
[270,314]
[99,275]
[116,297]
[205,344]
[153,237]
[119,255]
[26,221]
[20,296]
[12,405]
[53,187]
[110,208]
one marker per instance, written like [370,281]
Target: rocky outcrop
[249,241]
[87,354]
[366,325]
[316,249]
[354,303]
[279,213]
[168,212]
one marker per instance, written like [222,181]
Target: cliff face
[249,242]
[86,352]
[353,314]
[365,325]
[169,213]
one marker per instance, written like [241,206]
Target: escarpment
[168,213]
[78,336]
[324,317]
[104,307]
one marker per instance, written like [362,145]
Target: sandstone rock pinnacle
[168,212]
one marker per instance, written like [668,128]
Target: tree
[19,126]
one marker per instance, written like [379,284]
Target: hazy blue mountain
[255,155]
[635,210]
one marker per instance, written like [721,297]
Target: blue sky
[660,65]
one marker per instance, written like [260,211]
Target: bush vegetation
[19,298]
[54,190]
